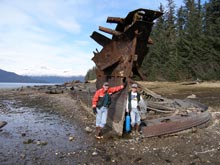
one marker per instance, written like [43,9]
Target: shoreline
[15,85]
[112,149]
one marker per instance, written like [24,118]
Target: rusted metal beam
[100,39]
[109,31]
[115,20]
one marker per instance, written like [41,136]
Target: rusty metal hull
[173,124]
[116,111]
[121,57]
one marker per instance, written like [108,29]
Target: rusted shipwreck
[120,60]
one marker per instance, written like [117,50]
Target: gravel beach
[48,128]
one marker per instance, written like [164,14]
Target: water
[33,125]
[8,85]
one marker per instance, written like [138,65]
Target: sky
[52,37]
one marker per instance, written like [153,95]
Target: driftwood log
[2,123]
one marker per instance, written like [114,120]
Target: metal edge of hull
[116,114]
[159,128]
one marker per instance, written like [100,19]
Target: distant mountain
[12,77]
[6,76]
[57,79]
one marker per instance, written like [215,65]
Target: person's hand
[94,110]
[127,113]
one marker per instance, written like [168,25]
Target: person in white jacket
[133,107]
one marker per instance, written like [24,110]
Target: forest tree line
[186,43]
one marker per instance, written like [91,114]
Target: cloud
[53,36]
[72,27]
[56,58]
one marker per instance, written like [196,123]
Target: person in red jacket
[100,104]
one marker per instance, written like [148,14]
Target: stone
[94,153]
[22,156]
[23,134]
[71,138]
[192,96]
[28,141]
[43,143]
[88,129]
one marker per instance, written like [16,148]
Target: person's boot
[100,133]
[97,135]
[133,131]
[137,129]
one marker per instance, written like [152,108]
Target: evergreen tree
[152,64]
[186,46]
[161,61]
[212,38]
[190,43]
[172,64]
[91,74]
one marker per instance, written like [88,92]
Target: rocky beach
[50,125]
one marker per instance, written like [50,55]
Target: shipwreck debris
[120,60]
[122,55]
[172,124]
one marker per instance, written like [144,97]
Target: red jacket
[101,92]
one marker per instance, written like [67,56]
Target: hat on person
[106,84]
[134,86]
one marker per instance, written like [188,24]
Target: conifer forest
[186,43]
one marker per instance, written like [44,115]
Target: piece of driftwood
[2,123]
